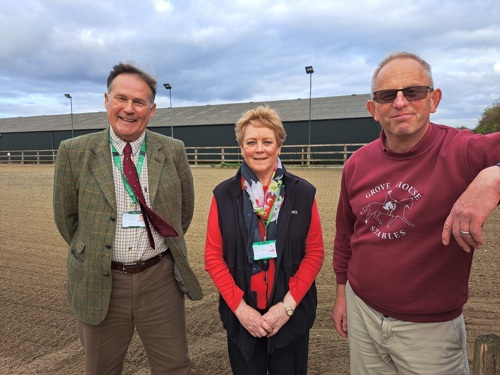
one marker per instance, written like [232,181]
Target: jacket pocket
[77,250]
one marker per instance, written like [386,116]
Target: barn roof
[327,108]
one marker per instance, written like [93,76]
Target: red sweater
[390,217]
[299,284]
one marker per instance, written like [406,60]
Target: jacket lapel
[155,163]
[100,164]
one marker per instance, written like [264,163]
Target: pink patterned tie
[150,216]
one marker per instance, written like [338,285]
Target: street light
[169,88]
[71,102]
[310,71]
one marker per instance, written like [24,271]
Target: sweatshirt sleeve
[311,264]
[215,264]
[344,228]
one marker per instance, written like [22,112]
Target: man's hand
[471,210]
[339,311]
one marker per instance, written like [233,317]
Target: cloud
[243,50]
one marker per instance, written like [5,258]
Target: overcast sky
[231,51]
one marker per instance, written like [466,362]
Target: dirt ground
[38,331]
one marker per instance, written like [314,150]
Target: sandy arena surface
[38,331]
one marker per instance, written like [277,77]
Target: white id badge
[264,250]
[133,219]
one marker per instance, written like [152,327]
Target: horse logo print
[392,208]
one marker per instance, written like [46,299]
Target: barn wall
[360,130]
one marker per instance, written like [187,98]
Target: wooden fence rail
[322,154]
[28,157]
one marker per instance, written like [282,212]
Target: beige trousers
[387,346]
[150,302]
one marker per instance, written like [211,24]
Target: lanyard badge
[133,219]
[264,250]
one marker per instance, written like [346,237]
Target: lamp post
[310,71]
[169,88]
[71,103]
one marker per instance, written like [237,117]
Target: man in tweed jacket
[117,280]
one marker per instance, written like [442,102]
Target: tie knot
[127,151]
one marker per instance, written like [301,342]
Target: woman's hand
[276,316]
[252,320]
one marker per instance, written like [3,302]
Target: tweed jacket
[85,214]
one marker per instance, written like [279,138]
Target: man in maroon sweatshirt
[410,203]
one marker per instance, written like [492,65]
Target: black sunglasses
[410,93]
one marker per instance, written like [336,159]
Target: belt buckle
[124,270]
[124,265]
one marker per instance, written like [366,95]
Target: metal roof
[327,108]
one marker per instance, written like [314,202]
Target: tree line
[489,121]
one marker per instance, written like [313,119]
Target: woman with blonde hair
[264,248]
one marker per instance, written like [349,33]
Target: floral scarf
[260,206]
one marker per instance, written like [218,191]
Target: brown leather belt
[138,266]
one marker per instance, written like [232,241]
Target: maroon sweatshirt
[390,217]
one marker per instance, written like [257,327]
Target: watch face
[288,309]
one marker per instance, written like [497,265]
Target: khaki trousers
[383,345]
[151,302]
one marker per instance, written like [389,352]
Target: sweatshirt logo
[388,211]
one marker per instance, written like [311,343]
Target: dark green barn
[334,120]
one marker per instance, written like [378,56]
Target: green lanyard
[116,159]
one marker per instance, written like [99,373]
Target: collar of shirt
[120,143]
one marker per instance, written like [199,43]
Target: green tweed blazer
[85,214]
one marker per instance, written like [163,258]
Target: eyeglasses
[411,93]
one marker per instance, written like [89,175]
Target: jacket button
[108,246]
[106,273]
[112,218]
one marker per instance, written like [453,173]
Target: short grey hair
[403,55]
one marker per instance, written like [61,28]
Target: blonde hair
[262,116]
